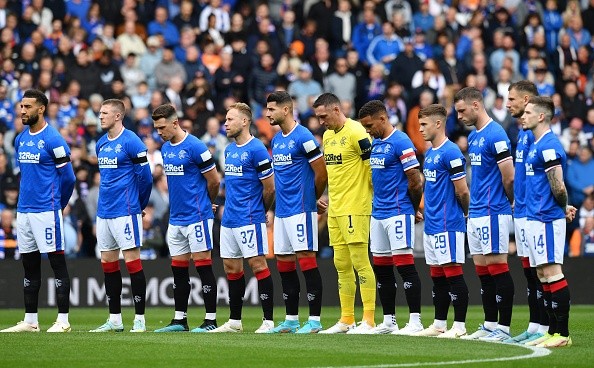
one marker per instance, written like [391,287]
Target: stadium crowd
[203,56]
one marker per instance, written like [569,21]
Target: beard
[32,119]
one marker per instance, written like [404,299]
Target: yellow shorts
[350,229]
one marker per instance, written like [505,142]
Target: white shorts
[546,241]
[392,234]
[119,233]
[244,242]
[190,238]
[489,234]
[42,231]
[296,233]
[444,248]
[520,233]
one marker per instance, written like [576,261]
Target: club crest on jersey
[182,154]
[291,144]
[481,142]
[244,157]
[436,158]
[343,141]
[532,154]
[525,140]
[475,159]
[387,149]
[118,148]
[41,144]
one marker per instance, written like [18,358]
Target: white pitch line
[536,353]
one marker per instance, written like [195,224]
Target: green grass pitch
[82,349]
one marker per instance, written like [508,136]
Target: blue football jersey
[487,148]
[184,163]
[544,154]
[38,156]
[443,165]
[245,166]
[293,175]
[525,140]
[390,158]
[123,167]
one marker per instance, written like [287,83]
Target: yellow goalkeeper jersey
[347,155]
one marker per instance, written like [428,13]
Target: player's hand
[143,213]
[214,207]
[419,217]
[570,212]
[322,206]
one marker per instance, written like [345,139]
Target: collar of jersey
[117,136]
[42,129]
[391,134]
[543,135]
[292,130]
[248,141]
[180,142]
[488,122]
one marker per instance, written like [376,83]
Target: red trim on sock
[180,264]
[558,285]
[286,266]
[134,266]
[497,268]
[452,271]
[403,259]
[262,274]
[525,262]
[546,287]
[383,261]
[234,276]
[307,263]
[482,270]
[437,271]
[203,262]
[110,267]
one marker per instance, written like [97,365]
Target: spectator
[580,181]
[8,235]
[364,32]
[341,82]
[342,24]
[406,64]
[262,80]
[500,113]
[10,193]
[216,139]
[131,74]
[385,47]
[161,25]
[129,41]
[304,87]
[187,17]
[168,68]
[222,20]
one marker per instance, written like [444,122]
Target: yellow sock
[346,283]
[360,260]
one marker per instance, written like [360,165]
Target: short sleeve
[262,163]
[501,146]
[551,158]
[59,150]
[202,157]
[137,151]
[310,147]
[456,164]
[407,154]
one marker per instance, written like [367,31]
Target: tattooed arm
[555,177]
